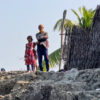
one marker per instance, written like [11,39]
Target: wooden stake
[62,37]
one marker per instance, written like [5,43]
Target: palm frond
[58,24]
[85,20]
[78,17]
[53,59]
[80,10]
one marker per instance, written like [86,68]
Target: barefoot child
[29,56]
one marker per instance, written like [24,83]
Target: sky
[20,18]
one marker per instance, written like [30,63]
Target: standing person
[29,56]
[42,47]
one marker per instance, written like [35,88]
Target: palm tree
[55,56]
[58,24]
[85,20]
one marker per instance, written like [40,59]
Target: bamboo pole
[62,37]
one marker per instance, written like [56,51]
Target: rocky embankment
[71,85]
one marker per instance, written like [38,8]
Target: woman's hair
[30,37]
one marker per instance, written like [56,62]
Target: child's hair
[30,38]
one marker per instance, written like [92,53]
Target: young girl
[29,55]
[35,55]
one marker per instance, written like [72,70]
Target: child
[29,56]
[35,55]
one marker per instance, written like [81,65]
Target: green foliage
[85,18]
[53,59]
[58,24]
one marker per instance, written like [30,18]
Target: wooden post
[62,37]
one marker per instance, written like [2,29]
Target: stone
[70,85]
